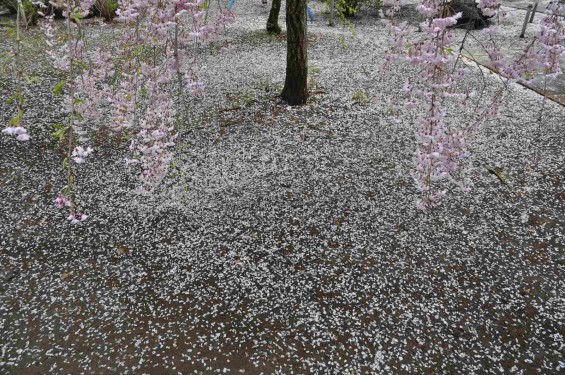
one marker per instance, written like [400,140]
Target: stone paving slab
[523,4]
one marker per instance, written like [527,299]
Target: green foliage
[248,99]
[267,86]
[106,8]
[348,8]
[9,4]
[361,97]
[245,98]
[30,10]
[60,132]
[58,87]
[313,84]
[17,119]
[342,42]
[5,61]
[113,5]
[30,80]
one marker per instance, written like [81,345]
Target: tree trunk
[273,21]
[295,89]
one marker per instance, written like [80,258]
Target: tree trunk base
[273,29]
[273,21]
[287,96]
[295,91]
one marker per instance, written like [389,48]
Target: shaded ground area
[286,240]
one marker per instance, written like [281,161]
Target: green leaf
[128,136]
[76,17]
[60,132]
[34,40]
[58,87]
[31,79]
[16,119]
[82,64]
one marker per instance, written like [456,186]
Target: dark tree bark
[295,89]
[273,21]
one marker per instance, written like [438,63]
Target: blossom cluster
[75,218]
[143,99]
[67,50]
[441,152]
[80,153]
[488,7]
[551,37]
[141,78]
[19,131]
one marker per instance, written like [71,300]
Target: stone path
[553,89]
[523,4]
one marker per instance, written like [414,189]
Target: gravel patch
[286,240]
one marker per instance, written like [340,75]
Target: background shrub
[348,8]
[106,9]
[30,9]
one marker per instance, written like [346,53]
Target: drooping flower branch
[441,154]
[152,65]
[441,147]
[15,126]
[155,56]
[135,78]
[551,36]
[68,54]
